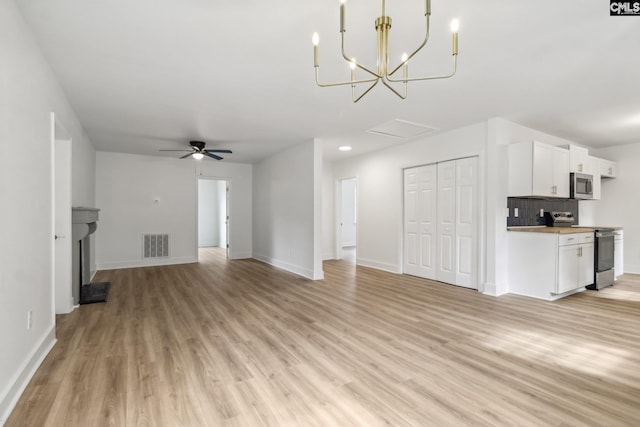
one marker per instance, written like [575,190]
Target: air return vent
[401,129]
[155,245]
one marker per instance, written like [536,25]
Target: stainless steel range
[604,258]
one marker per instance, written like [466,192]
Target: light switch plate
[541,213]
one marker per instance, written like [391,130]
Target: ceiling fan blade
[219,151]
[173,150]
[186,155]
[213,156]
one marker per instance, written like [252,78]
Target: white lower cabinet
[575,262]
[550,265]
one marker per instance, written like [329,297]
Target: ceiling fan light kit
[384,72]
[198,151]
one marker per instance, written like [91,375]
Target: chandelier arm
[426,39]
[384,81]
[446,76]
[349,82]
[364,93]
[346,58]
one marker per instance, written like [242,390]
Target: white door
[466,222]
[420,221]
[348,219]
[62,213]
[227,243]
[446,223]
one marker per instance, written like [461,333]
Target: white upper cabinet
[578,159]
[608,169]
[538,169]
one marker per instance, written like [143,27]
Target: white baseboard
[240,255]
[292,268]
[391,268]
[146,263]
[494,290]
[9,397]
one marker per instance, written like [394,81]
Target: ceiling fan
[198,151]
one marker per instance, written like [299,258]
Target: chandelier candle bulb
[405,67]
[316,57]
[455,26]
[352,65]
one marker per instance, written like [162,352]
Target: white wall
[620,201]
[287,199]
[211,213]
[328,212]
[379,201]
[149,194]
[29,93]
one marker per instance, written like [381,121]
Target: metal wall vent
[401,129]
[155,245]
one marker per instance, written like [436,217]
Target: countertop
[557,230]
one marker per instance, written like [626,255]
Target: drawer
[575,239]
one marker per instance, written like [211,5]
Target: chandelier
[384,73]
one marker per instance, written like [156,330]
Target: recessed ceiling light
[344,148]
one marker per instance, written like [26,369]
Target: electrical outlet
[29,319]
[515,212]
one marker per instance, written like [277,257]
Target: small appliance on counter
[559,219]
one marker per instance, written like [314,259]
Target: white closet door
[466,228]
[420,221]
[446,223]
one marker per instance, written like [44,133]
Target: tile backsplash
[529,210]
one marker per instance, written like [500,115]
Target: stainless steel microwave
[581,186]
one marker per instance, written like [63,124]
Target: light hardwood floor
[239,343]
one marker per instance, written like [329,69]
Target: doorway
[62,252]
[213,214]
[347,230]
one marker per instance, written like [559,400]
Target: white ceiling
[146,75]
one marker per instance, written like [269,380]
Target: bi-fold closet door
[440,221]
